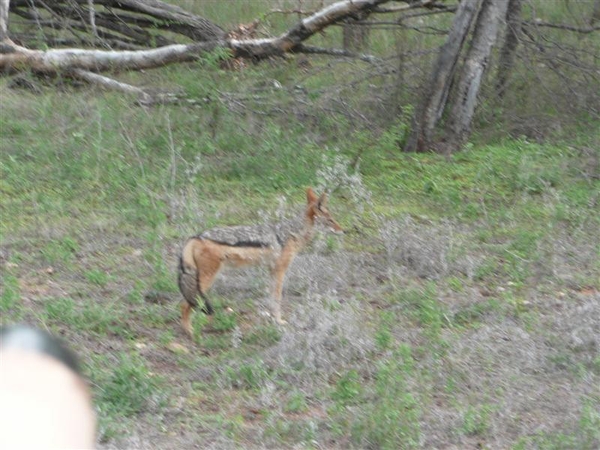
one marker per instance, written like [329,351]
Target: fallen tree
[126,24]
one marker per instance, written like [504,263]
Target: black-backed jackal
[274,245]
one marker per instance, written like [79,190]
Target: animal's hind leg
[209,266]
[186,307]
[186,322]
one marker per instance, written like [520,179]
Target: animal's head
[317,211]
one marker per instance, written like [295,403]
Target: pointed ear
[323,199]
[311,197]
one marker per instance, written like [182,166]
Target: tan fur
[275,246]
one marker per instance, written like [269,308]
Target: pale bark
[63,60]
[304,29]
[432,106]
[111,84]
[511,42]
[469,83]
[98,60]
[355,36]
[4,5]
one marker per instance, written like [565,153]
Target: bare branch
[135,37]
[198,27]
[561,26]
[334,52]
[409,5]
[109,83]
[385,25]
[441,10]
[298,12]
[162,15]
[261,48]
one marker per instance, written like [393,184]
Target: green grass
[390,417]
[60,251]
[473,315]
[129,389]
[9,296]
[97,277]
[586,436]
[130,184]
[248,376]
[347,389]
[476,420]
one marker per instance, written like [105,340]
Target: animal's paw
[273,317]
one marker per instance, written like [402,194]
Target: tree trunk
[4,5]
[511,41]
[595,13]
[469,83]
[432,106]
[355,36]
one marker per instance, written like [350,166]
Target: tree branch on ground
[129,31]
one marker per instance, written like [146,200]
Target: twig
[309,49]
[385,25]
[560,26]
[413,5]
[444,10]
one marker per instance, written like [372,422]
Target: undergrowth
[442,318]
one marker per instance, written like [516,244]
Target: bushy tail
[188,285]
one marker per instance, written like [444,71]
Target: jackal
[274,245]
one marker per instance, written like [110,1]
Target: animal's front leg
[276,295]
[278,277]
